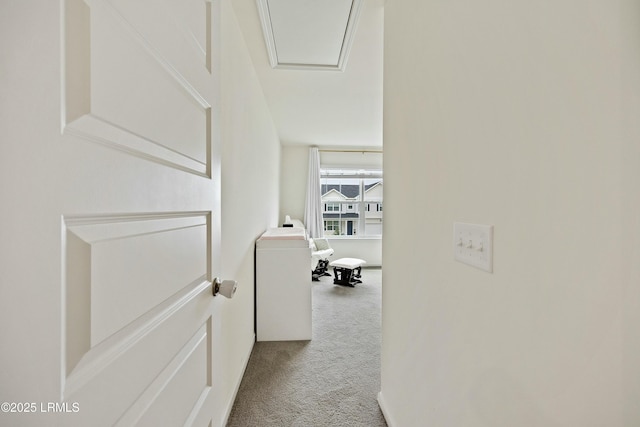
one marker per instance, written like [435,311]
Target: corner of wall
[385,411]
[232,397]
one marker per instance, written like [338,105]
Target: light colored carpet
[332,380]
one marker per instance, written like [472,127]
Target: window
[332,207]
[353,202]
[332,227]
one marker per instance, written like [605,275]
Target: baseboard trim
[227,412]
[385,411]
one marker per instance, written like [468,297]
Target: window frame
[360,206]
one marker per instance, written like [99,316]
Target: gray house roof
[350,191]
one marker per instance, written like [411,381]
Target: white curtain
[313,208]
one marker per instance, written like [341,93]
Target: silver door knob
[226,288]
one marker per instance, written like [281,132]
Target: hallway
[332,380]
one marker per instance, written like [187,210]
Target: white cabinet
[283,285]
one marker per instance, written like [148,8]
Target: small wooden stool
[346,271]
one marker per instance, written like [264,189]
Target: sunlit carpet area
[332,380]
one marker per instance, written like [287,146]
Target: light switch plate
[473,245]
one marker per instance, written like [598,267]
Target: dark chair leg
[357,275]
[344,277]
[321,268]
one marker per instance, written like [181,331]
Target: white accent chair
[320,252]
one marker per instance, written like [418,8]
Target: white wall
[250,195]
[522,115]
[366,248]
[630,245]
[293,181]
[366,159]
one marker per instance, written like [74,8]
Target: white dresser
[283,285]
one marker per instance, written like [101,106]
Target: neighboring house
[343,206]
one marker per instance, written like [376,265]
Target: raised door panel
[136,84]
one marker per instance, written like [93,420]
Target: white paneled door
[109,208]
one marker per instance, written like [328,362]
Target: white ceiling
[327,108]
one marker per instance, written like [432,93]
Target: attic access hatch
[309,34]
